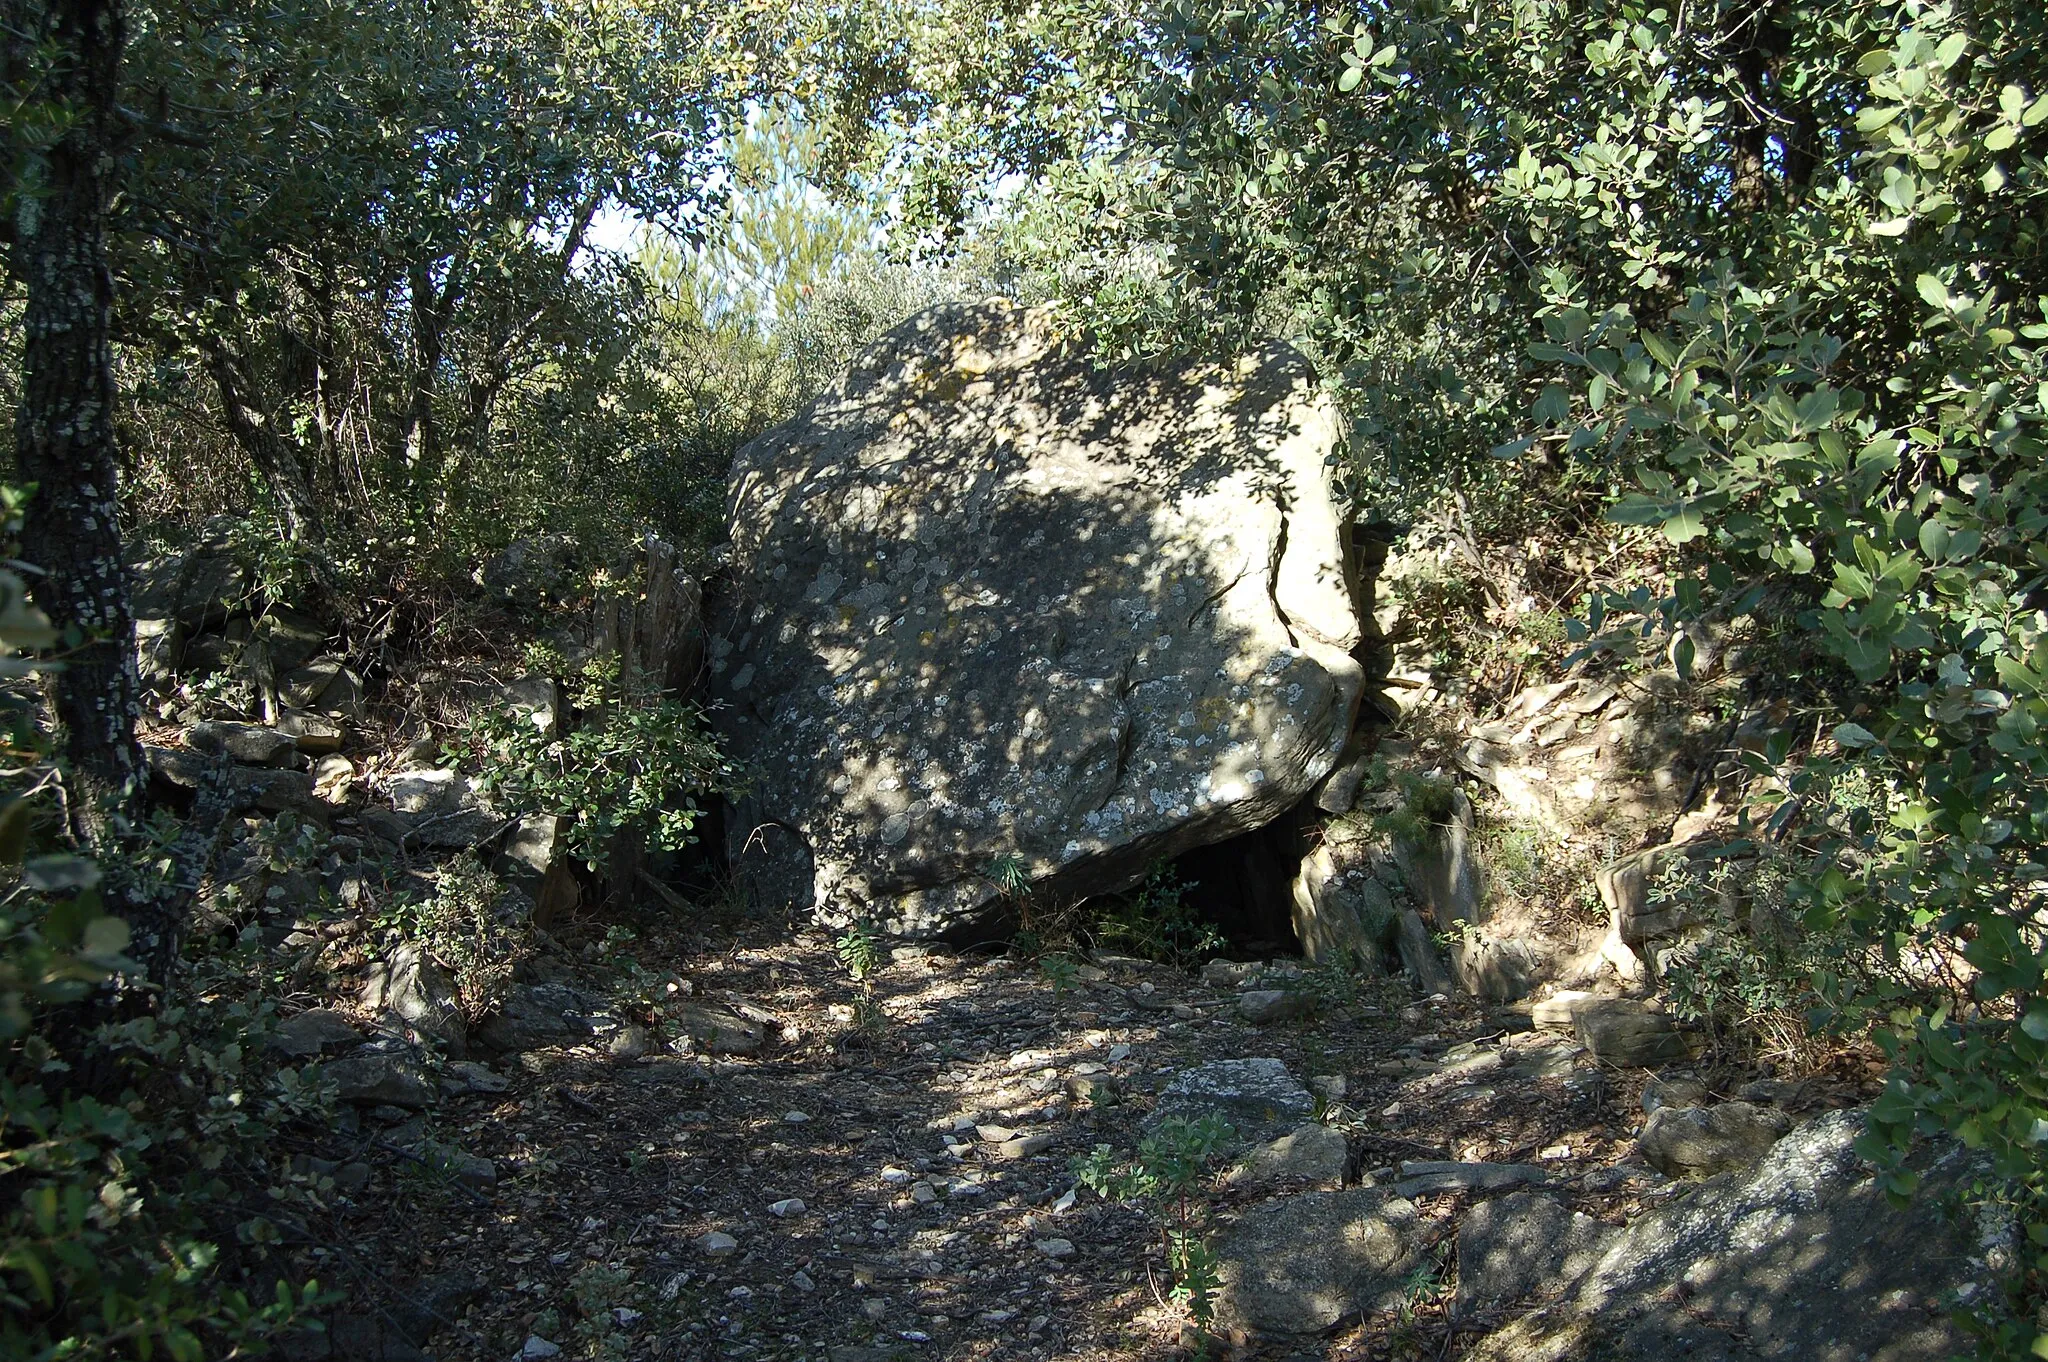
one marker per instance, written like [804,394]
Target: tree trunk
[278,457]
[68,53]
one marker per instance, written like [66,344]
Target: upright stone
[997,605]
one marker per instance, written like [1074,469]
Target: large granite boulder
[999,610]
[1800,1257]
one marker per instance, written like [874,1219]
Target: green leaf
[104,937]
[1636,509]
[1874,63]
[2035,1023]
[1351,78]
[1933,290]
[1513,449]
[1951,50]
[1854,736]
[2001,137]
[1893,227]
[1685,525]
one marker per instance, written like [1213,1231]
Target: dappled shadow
[993,602]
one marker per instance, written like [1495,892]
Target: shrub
[1156,922]
[635,766]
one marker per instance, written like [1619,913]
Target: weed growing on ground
[859,949]
[467,928]
[1166,1177]
[1156,922]
[1061,972]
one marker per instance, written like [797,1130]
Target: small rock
[1672,1092]
[1119,1052]
[1024,1146]
[1420,1177]
[425,790]
[1095,1089]
[1227,973]
[314,734]
[471,1170]
[895,1177]
[380,1079]
[1626,1034]
[466,1076]
[1314,1153]
[787,1207]
[1299,1264]
[995,1134]
[1701,1141]
[334,781]
[1056,1248]
[1266,1005]
[923,1193]
[1555,1012]
[801,1280]
[716,1244]
[313,1031]
[412,991]
[1258,1097]
[794,1118]
[1330,1087]
[629,1043]
[248,743]
[537,1347]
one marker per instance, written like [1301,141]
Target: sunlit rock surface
[999,614]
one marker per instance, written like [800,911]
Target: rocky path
[889,1175]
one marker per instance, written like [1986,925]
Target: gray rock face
[1623,1032]
[252,743]
[993,602]
[313,1031]
[268,789]
[1260,1099]
[381,1079]
[1800,1257]
[415,993]
[1314,1153]
[1697,1141]
[1301,1264]
[536,1016]
[196,589]
[1517,1245]
[1418,953]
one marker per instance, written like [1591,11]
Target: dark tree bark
[278,457]
[65,57]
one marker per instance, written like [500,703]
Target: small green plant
[1329,985]
[1009,875]
[1427,802]
[1156,922]
[598,1293]
[1061,972]
[1166,1177]
[870,1018]
[859,949]
[465,929]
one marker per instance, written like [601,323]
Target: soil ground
[917,1238]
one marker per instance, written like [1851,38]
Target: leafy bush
[635,766]
[1166,1177]
[465,929]
[1155,922]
